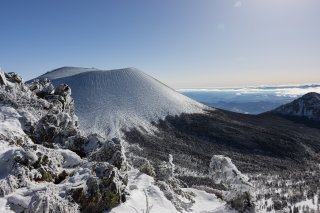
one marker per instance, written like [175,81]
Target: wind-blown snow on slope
[107,101]
[66,72]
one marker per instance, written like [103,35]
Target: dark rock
[111,152]
[2,79]
[306,107]
[13,77]
[42,87]
[103,191]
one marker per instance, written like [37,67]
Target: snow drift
[108,101]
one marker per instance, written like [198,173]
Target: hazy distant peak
[311,96]
[307,106]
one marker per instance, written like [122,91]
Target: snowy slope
[107,101]
[146,195]
[66,72]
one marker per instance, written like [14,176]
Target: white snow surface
[10,125]
[142,188]
[207,203]
[61,72]
[108,101]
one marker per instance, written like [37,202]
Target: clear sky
[184,43]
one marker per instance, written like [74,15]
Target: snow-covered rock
[239,193]
[223,171]
[308,106]
[40,169]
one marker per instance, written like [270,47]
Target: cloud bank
[285,90]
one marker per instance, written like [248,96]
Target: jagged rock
[13,77]
[59,123]
[3,79]
[55,128]
[43,114]
[60,96]
[103,191]
[63,90]
[42,87]
[111,152]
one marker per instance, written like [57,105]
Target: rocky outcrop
[111,151]
[43,153]
[103,190]
[13,78]
[60,122]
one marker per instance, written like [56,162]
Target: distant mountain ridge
[307,106]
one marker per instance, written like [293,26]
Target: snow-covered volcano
[108,101]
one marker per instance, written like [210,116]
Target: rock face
[308,106]
[103,191]
[47,164]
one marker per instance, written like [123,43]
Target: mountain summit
[110,100]
[308,106]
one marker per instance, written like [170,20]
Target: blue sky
[184,43]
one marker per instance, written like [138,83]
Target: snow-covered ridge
[108,101]
[308,106]
[65,72]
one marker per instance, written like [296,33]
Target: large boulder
[111,151]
